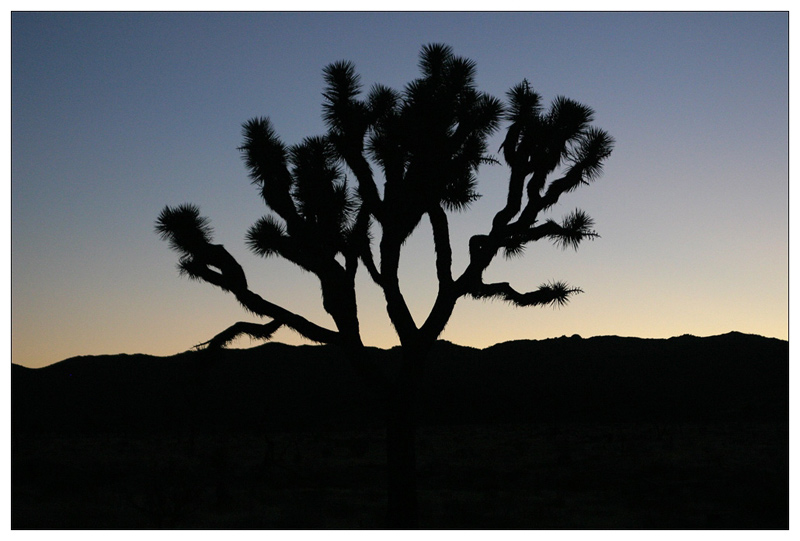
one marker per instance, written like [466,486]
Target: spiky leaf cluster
[267,236]
[554,293]
[305,186]
[444,123]
[188,233]
[428,139]
[589,152]
[347,117]
[265,157]
[541,141]
[576,227]
[320,189]
[184,228]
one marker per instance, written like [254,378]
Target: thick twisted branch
[441,243]
[256,330]
[230,277]
[396,306]
[446,297]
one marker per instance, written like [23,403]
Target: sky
[115,115]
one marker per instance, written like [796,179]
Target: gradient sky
[116,115]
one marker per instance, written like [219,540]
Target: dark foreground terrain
[686,433]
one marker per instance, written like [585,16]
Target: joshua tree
[425,143]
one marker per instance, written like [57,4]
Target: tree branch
[441,242]
[571,180]
[396,305]
[256,330]
[513,202]
[369,264]
[367,189]
[362,243]
[446,297]
[231,278]
[574,228]
[554,293]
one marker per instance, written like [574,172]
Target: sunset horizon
[491,271]
[116,115]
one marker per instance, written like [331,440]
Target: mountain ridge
[519,340]
[274,386]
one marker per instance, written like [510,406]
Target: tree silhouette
[426,144]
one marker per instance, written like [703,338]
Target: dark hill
[731,377]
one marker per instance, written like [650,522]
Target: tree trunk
[401,461]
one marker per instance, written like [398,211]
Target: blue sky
[115,115]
